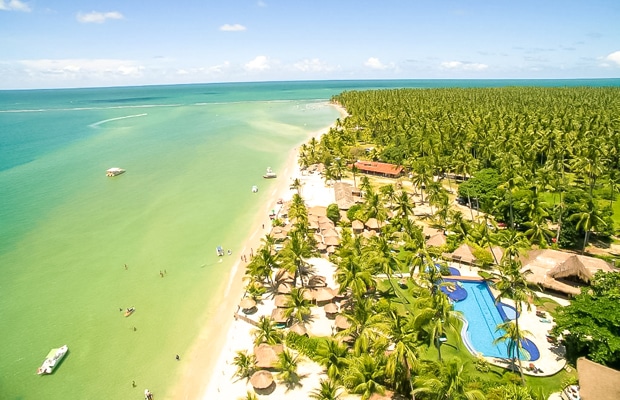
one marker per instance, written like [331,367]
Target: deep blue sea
[192,152]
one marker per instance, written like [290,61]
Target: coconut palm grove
[518,168]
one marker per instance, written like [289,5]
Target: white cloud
[96,17]
[614,57]
[82,68]
[261,3]
[312,65]
[464,66]
[14,5]
[260,63]
[232,28]
[374,63]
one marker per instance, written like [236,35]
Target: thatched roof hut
[374,224]
[322,295]
[267,355]
[596,381]
[561,271]
[428,232]
[331,249]
[437,240]
[464,254]
[284,288]
[280,300]
[343,193]
[317,210]
[330,233]
[331,310]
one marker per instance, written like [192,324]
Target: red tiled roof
[379,168]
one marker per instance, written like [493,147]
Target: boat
[114,171]
[129,311]
[270,174]
[52,360]
[219,250]
[254,189]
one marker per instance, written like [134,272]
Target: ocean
[192,154]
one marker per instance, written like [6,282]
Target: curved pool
[483,316]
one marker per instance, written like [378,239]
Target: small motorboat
[129,311]
[270,174]
[52,360]
[114,171]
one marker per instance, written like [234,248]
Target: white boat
[254,189]
[219,250]
[114,171]
[270,174]
[52,360]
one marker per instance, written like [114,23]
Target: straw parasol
[277,315]
[267,355]
[322,295]
[280,300]
[342,322]
[318,238]
[374,223]
[247,303]
[317,210]
[330,232]
[323,218]
[331,241]
[284,288]
[278,234]
[261,379]
[465,253]
[330,308]
[331,249]
[357,225]
[313,224]
[321,246]
[317,280]
[299,329]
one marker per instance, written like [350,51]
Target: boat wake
[116,119]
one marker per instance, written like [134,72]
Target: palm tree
[296,185]
[287,365]
[297,307]
[249,396]
[333,355]
[366,376]
[352,273]
[292,256]
[266,332]
[402,361]
[588,219]
[327,390]
[451,383]
[245,363]
[435,319]
[514,336]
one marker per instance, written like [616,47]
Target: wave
[116,119]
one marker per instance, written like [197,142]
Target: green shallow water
[68,230]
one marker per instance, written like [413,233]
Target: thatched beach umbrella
[374,223]
[322,295]
[299,329]
[277,315]
[464,253]
[330,233]
[267,355]
[318,238]
[278,234]
[247,303]
[342,322]
[280,300]
[261,379]
[331,249]
[323,218]
[437,240]
[357,226]
[313,224]
[321,246]
[331,241]
[284,288]
[331,309]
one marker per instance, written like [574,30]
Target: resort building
[379,168]
[560,271]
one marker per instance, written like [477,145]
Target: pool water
[483,316]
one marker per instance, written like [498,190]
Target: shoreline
[213,349]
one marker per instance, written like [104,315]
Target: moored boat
[269,174]
[52,360]
[114,171]
[219,250]
[130,311]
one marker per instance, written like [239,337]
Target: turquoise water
[192,153]
[483,317]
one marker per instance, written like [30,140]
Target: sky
[90,43]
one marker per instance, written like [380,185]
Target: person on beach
[125,266]
[229,251]
[148,395]
[178,358]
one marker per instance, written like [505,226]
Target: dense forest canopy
[542,143]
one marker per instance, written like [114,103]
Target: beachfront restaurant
[379,168]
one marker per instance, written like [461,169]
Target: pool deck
[551,359]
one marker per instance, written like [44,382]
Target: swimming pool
[483,316]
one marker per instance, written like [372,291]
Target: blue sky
[66,43]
